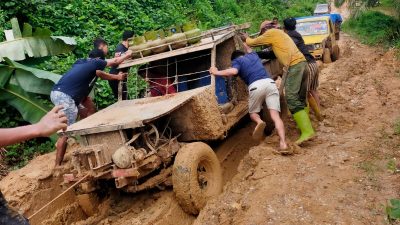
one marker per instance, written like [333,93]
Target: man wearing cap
[290,57]
[76,84]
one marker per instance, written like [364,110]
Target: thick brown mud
[341,177]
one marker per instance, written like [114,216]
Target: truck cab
[318,33]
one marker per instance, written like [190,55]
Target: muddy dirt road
[339,178]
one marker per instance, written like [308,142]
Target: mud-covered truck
[160,141]
[319,34]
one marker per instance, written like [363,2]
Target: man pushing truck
[290,57]
[261,89]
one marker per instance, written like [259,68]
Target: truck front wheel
[335,53]
[326,57]
[196,176]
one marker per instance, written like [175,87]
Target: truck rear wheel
[326,57]
[335,53]
[196,176]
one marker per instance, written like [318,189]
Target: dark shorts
[312,71]
[9,216]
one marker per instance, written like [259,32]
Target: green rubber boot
[305,126]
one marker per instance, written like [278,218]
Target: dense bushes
[339,3]
[86,20]
[375,28]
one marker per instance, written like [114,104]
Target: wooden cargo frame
[130,114]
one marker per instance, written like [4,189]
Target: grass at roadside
[375,28]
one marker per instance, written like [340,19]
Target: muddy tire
[335,53]
[266,117]
[326,57]
[196,176]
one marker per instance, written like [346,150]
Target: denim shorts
[70,108]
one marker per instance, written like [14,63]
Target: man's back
[282,45]
[76,81]
[250,68]
[299,41]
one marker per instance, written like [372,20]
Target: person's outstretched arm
[52,122]
[107,76]
[226,73]
[118,60]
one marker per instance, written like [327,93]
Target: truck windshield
[312,28]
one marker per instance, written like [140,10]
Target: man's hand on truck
[122,76]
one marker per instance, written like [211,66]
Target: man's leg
[279,127]
[114,87]
[88,109]
[273,103]
[71,111]
[296,105]
[293,86]
[61,147]
[260,126]
[313,97]
[315,94]
[257,94]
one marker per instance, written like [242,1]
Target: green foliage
[136,85]
[104,96]
[339,3]
[36,44]
[86,20]
[20,87]
[3,24]
[18,155]
[374,28]
[397,127]
[393,209]
[391,165]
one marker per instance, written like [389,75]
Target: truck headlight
[317,46]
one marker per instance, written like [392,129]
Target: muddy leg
[89,108]
[61,147]
[259,130]
[280,128]
[316,97]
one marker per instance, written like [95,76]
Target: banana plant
[36,44]
[20,85]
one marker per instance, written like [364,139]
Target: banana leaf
[37,44]
[5,74]
[35,47]
[31,79]
[31,109]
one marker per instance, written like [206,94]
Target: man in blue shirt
[261,89]
[76,84]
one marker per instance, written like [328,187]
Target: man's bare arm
[226,73]
[106,76]
[118,60]
[52,122]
